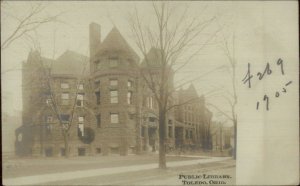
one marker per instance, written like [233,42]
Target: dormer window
[113,62]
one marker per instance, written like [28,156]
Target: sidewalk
[29,180]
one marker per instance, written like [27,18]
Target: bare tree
[26,24]
[228,47]
[47,83]
[170,39]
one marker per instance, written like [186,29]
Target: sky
[72,34]
[246,20]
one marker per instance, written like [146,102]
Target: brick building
[104,101]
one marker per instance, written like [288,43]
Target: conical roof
[114,41]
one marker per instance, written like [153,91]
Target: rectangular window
[129,83]
[131,116]
[79,101]
[65,117]
[97,64]
[48,101]
[113,82]
[129,97]
[98,120]
[186,134]
[64,85]
[48,128]
[143,132]
[81,119]
[114,117]
[152,119]
[148,102]
[151,102]
[80,86]
[80,129]
[49,119]
[81,126]
[170,132]
[114,96]
[62,151]
[81,151]
[113,62]
[65,96]
[97,97]
[98,150]
[97,84]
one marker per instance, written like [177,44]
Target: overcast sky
[245,19]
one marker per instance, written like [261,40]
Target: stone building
[192,119]
[221,136]
[104,102]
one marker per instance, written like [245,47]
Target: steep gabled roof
[114,41]
[192,90]
[153,58]
[34,57]
[71,63]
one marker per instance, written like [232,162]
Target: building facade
[103,102]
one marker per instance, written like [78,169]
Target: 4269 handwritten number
[267,71]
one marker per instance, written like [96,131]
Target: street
[115,170]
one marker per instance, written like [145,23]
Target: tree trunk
[162,148]
[138,139]
[235,138]
[139,119]
[138,146]
[221,138]
[66,141]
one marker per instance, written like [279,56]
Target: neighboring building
[221,136]
[193,119]
[114,110]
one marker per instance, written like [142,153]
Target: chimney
[95,38]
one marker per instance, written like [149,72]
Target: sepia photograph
[150,92]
